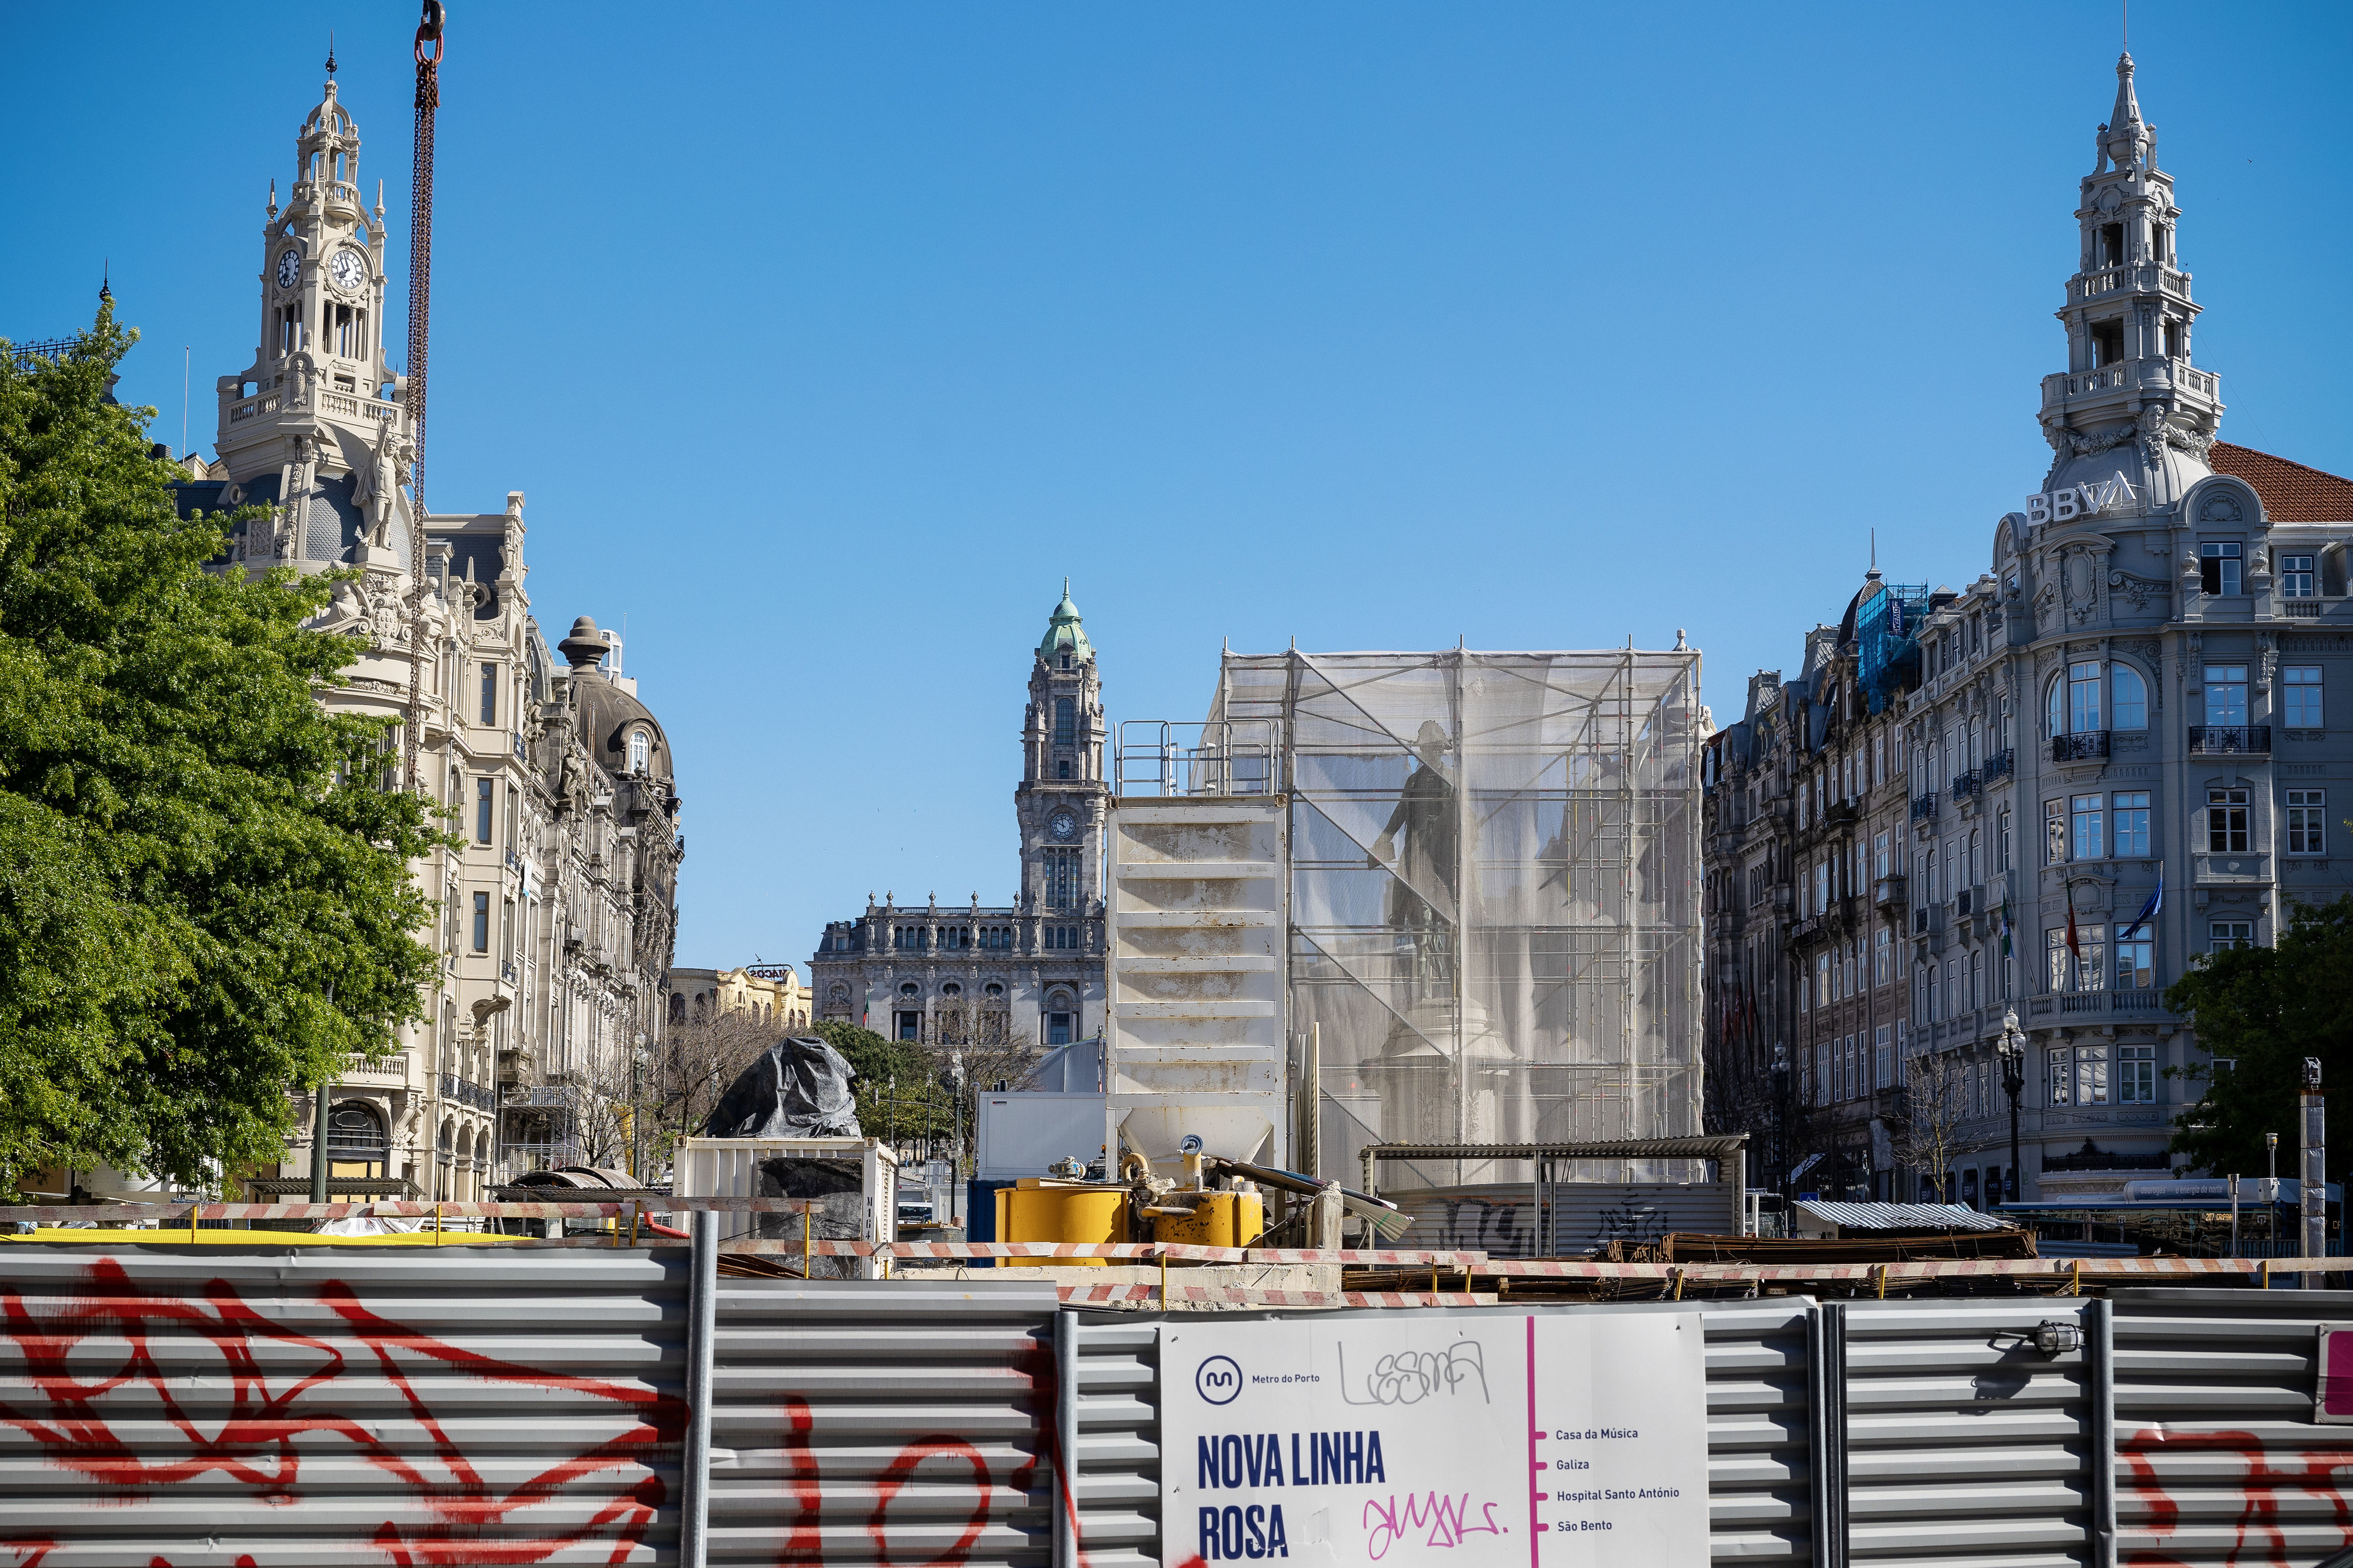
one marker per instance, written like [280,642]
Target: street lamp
[1780,1077]
[2012,1051]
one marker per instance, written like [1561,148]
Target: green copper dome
[1064,632]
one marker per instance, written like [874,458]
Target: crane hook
[428,31]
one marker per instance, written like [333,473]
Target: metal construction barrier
[185,1404]
[1759,1394]
[1970,1430]
[181,1404]
[863,1422]
[2219,1459]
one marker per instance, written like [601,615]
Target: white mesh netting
[1494,893]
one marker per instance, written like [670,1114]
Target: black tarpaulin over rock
[799,1088]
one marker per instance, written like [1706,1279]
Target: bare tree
[1935,1103]
[977,1046]
[688,1070]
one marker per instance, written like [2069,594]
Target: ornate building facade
[558,908]
[769,995]
[2115,757]
[1032,969]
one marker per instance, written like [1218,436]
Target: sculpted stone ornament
[376,486]
[345,608]
[2137,591]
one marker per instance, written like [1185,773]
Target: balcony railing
[1888,894]
[2250,738]
[2124,999]
[1923,807]
[2090,746]
[2000,765]
[1966,785]
[467,1092]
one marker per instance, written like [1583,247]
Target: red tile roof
[2291,492]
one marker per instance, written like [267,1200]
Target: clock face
[290,270]
[349,270]
[1061,827]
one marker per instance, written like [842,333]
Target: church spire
[2127,140]
[2130,401]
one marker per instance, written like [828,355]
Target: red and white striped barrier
[1180,1294]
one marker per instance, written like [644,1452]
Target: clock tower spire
[1060,801]
[315,427]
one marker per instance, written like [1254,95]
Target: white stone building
[1966,808]
[557,910]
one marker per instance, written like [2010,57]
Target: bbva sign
[2076,501]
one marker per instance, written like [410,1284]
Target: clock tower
[1060,801]
[315,427]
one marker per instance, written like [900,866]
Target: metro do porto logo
[1217,1380]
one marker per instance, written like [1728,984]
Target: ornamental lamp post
[2012,1051]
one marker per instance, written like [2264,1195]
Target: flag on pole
[2005,925]
[2148,910]
[2074,942]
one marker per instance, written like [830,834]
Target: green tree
[897,1087]
[2265,1009]
[204,896]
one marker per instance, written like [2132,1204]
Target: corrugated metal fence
[1758,1398]
[182,1405]
[883,1422]
[179,1405]
[2220,1459]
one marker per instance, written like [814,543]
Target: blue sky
[826,339]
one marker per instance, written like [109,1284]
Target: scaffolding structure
[1494,894]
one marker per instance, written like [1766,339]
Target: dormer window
[638,745]
[1066,661]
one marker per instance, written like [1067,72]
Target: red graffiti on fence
[804,1541]
[804,1537]
[2261,1535]
[903,1468]
[254,1444]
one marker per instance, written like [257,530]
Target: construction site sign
[1558,1440]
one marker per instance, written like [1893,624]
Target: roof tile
[2291,492]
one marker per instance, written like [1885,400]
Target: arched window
[909,989]
[638,745]
[2055,706]
[2129,707]
[678,1006]
[952,989]
[994,991]
[1066,721]
[356,1140]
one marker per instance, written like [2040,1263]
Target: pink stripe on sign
[1536,1531]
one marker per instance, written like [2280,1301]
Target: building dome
[619,731]
[1064,632]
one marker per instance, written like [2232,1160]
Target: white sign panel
[1565,1440]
